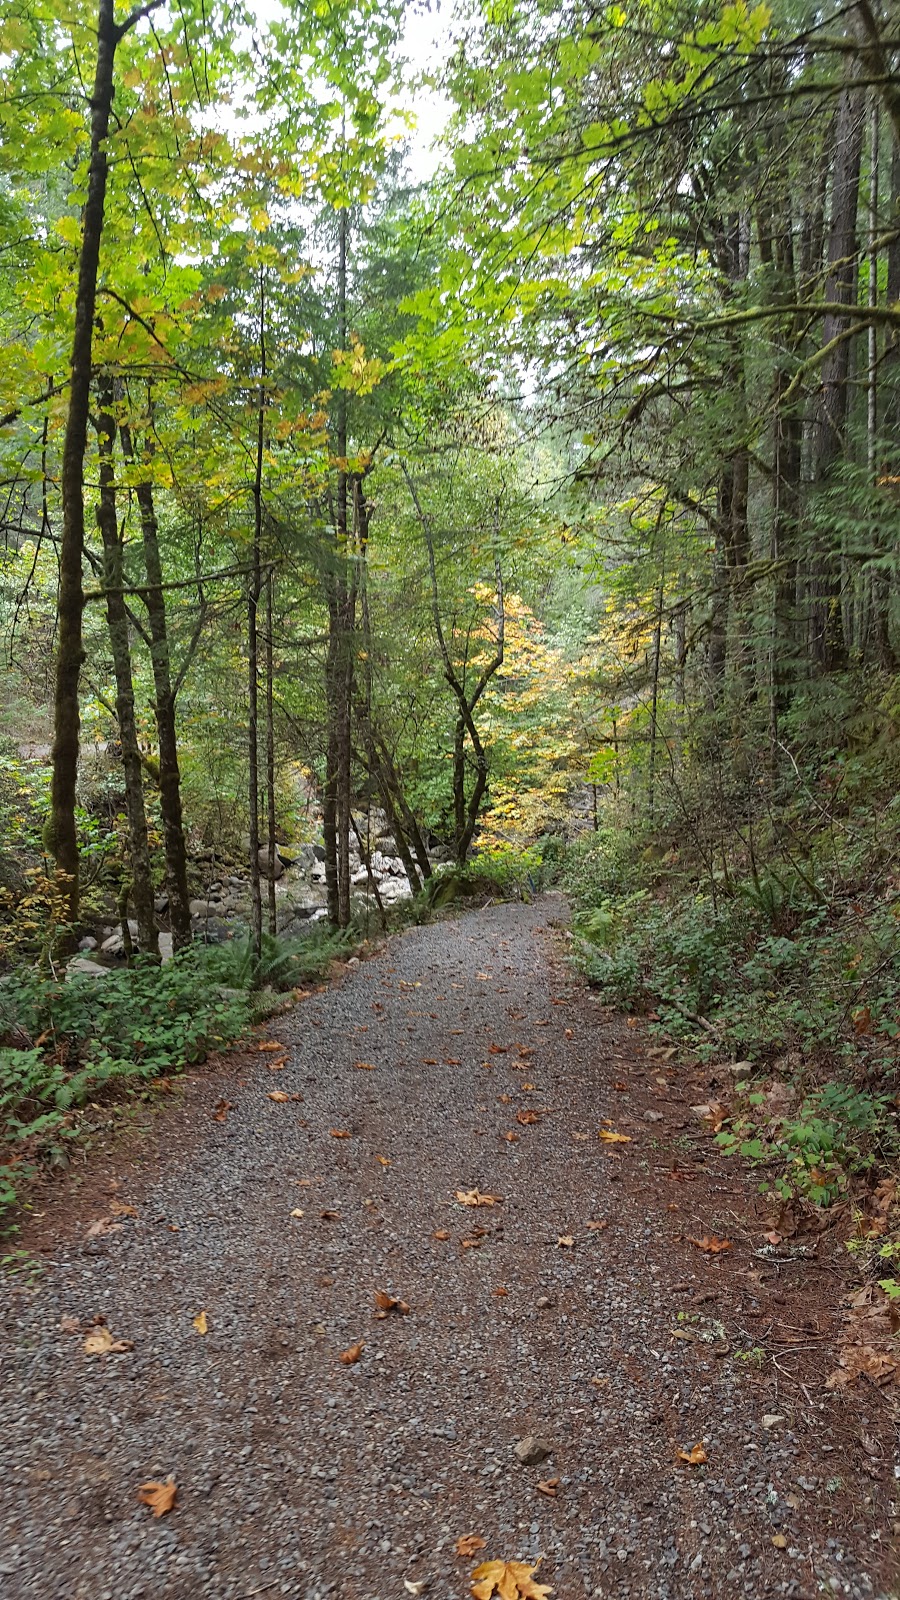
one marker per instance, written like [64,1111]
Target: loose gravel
[301,1476]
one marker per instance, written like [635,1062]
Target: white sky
[426,36]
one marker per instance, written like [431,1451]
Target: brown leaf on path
[364,1066]
[862,1020]
[527,1118]
[200,1322]
[511,1138]
[340,1133]
[386,1303]
[279,1096]
[160,1497]
[429,1061]
[277,1066]
[565,1241]
[779,1541]
[469,1544]
[695,1457]
[471,1244]
[452,1061]
[498,1049]
[329,1216]
[100,1342]
[269,1044]
[101,1227]
[711,1245]
[119,1209]
[221,1111]
[296,1212]
[549,1487]
[501,1293]
[351,1355]
[609,1136]
[441,1234]
[596,1227]
[474,1197]
[505,1099]
[509,1580]
[383,1161]
[69,1325]
[569,1033]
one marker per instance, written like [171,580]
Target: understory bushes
[69,1048]
[792,968]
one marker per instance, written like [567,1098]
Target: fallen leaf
[527,1118]
[711,1245]
[441,1234]
[100,1342]
[509,1580]
[549,1487]
[596,1227]
[351,1355]
[695,1457]
[200,1322]
[101,1227]
[269,1044]
[474,1197]
[364,1066]
[329,1216]
[414,1588]
[862,1021]
[296,1212]
[511,1138]
[340,1133]
[222,1109]
[610,1137]
[279,1096]
[277,1066]
[581,1136]
[505,1099]
[565,1240]
[389,1302]
[452,1061]
[498,1049]
[118,1209]
[383,1161]
[621,1086]
[429,1061]
[160,1497]
[69,1325]
[568,1033]
[500,1293]
[779,1541]
[471,1244]
[469,1544]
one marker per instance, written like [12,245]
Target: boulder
[318,851]
[87,943]
[81,967]
[161,904]
[115,944]
[263,859]
[165,947]
[201,909]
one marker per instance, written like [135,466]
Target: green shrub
[89,1034]
[282,963]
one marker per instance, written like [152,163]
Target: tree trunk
[254,591]
[828,643]
[120,645]
[270,755]
[61,835]
[174,843]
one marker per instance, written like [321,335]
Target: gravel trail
[301,1476]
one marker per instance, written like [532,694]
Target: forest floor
[462,1056]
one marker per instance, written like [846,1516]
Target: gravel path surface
[299,1475]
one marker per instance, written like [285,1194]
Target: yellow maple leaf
[509,1580]
[609,1137]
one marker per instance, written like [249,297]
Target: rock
[530,1451]
[115,944]
[200,908]
[353,961]
[263,859]
[359,877]
[319,852]
[653,1116]
[544,1302]
[739,1069]
[87,943]
[772,1419]
[161,904]
[81,967]
[165,947]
